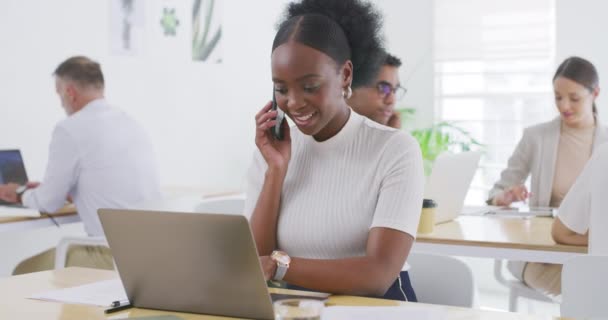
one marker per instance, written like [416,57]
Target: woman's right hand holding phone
[277,153]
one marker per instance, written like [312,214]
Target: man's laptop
[189,262]
[12,170]
[449,183]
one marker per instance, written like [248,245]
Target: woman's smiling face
[309,88]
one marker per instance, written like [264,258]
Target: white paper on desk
[101,293]
[8,211]
[383,313]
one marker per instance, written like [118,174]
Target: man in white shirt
[98,156]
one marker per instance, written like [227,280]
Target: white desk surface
[513,238]
[15,305]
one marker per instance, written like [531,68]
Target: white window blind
[494,61]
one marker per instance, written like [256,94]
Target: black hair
[392,61]
[82,70]
[580,71]
[342,29]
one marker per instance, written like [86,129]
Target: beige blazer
[536,155]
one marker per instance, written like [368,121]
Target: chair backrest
[442,280]
[584,282]
[63,247]
[230,205]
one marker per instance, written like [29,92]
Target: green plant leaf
[441,137]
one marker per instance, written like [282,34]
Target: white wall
[410,36]
[200,116]
[580,31]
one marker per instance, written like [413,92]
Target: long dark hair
[580,71]
[342,29]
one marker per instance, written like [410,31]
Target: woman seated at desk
[554,154]
[342,194]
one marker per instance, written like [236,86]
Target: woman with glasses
[376,100]
[334,205]
[554,154]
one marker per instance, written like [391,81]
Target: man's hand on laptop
[268,266]
[8,192]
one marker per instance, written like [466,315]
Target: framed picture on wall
[127,20]
[206,31]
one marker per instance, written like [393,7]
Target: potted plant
[440,137]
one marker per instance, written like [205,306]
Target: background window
[494,61]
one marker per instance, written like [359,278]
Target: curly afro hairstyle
[392,61]
[342,29]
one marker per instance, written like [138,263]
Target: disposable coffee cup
[427,216]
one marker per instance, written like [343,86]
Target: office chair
[518,289]
[61,251]
[221,205]
[442,280]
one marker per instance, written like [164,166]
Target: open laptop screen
[11,167]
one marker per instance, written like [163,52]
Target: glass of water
[298,309]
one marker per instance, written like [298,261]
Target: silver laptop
[189,262]
[449,183]
[523,211]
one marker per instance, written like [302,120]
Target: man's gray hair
[82,70]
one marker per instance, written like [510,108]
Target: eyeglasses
[385,89]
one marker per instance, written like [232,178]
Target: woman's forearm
[265,215]
[361,276]
[572,238]
[563,235]
[369,275]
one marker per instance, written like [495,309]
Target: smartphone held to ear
[277,130]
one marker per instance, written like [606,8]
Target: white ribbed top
[366,176]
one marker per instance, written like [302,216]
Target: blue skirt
[400,290]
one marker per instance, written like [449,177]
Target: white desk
[15,305]
[523,239]
[65,215]
[183,199]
